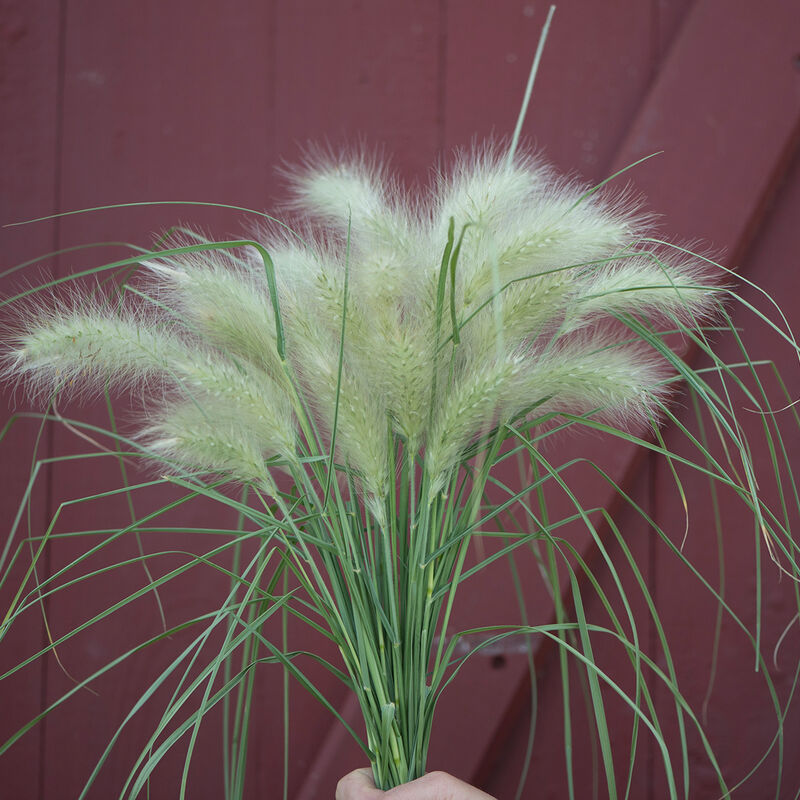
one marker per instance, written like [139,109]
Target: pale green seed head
[543,267]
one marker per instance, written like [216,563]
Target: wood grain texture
[162,102]
[29,142]
[740,721]
[714,181]
[196,101]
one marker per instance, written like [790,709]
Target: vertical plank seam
[49,490]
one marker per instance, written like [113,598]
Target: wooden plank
[738,698]
[595,68]
[162,102]
[502,764]
[727,131]
[352,73]
[725,112]
[593,74]
[29,91]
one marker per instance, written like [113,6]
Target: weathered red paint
[171,101]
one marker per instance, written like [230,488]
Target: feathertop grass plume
[518,314]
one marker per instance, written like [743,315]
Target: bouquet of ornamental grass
[362,372]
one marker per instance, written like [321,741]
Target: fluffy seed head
[524,314]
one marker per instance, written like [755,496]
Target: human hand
[358,785]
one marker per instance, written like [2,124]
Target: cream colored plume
[527,315]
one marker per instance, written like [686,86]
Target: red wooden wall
[133,101]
